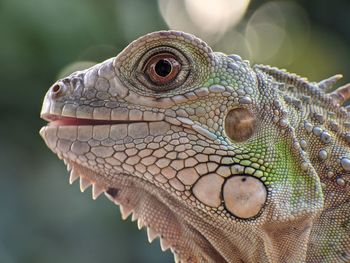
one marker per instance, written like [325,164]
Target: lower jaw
[134,195]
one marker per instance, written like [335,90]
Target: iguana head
[199,146]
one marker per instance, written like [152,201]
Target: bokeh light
[206,18]
[213,16]
[269,31]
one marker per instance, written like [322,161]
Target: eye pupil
[163,67]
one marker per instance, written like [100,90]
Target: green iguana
[225,161]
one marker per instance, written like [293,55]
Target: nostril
[56,90]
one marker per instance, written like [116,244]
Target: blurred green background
[42,218]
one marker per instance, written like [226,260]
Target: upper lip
[56,120]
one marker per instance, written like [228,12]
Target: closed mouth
[56,120]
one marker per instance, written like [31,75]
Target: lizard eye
[162,68]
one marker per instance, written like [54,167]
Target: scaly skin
[226,162]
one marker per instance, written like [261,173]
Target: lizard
[222,160]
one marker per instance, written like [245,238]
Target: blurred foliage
[44,220]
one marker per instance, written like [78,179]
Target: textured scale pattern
[224,161]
